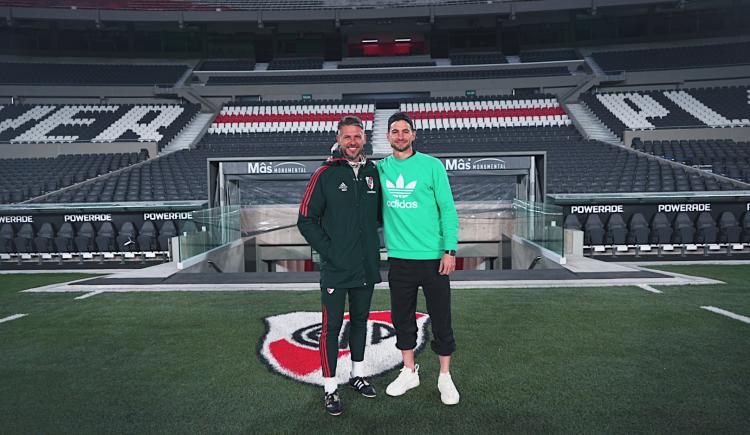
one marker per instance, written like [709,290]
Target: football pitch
[561,360]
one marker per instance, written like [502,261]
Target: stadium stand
[505,112]
[391,76]
[687,108]
[90,238]
[282,129]
[549,56]
[239,130]
[168,178]
[54,74]
[287,117]
[575,165]
[697,233]
[478,58]
[158,123]
[226,65]
[295,64]
[471,125]
[539,124]
[725,157]
[21,179]
[673,58]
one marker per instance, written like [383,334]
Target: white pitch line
[13,317]
[648,288]
[88,295]
[728,314]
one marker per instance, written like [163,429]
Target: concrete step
[191,134]
[379,139]
[592,127]
[594,66]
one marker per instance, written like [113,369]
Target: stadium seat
[84,240]
[64,241]
[616,230]
[147,237]
[729,228]
[706,230]
[594,231]
[44,238]
[572,223]
[105,238]
[127,237]
[24,239]
[7,234]
[661,229]
[187,227]
[745,234]
[683,229]
[167,230]
[638,230]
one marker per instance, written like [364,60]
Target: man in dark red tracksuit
[339,217]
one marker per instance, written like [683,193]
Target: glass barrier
[216,227]
[540,223]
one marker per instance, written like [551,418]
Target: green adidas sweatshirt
[419,217]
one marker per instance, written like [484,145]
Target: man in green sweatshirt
[338,217]
[421,234]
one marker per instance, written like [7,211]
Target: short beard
[401,150]
[354,158]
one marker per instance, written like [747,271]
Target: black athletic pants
[333,319]
[404,278]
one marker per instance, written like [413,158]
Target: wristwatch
[451,252]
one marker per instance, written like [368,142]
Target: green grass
[587,360]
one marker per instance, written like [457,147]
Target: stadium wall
[679,76]
[435,88]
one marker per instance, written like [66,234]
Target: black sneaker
[363,386]
[333,403]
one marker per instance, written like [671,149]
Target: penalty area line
[648,288]
[728,314]
[13,317]
[88,295]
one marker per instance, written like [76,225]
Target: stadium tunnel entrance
[494,193]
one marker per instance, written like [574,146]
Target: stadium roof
[242,10]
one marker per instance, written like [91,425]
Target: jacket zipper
[360,210]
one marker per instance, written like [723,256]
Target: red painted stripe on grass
[301,361]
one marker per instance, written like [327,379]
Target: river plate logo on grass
[290,346]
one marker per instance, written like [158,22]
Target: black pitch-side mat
[7,266]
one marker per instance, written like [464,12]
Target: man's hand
[447,264]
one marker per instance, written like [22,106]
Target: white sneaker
[405,381]
[448,392]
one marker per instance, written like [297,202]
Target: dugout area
[487,188]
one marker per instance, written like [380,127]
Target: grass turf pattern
[567,360]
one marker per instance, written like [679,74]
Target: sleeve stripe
[308,193]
